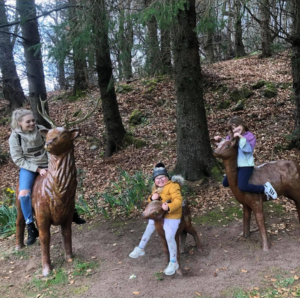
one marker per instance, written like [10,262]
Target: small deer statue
[284,176]
[53,195]
[154,211]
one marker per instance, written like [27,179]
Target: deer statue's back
[53,195]
[284,176]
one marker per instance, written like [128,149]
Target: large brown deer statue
[53,195]
[154,211]
[284,176]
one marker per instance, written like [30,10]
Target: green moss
[81,290]
[270,90]
[77,96]
[217,173]
[258,84]
[124,88]
[236,95]
[220,217]
[224,104]
[135,117]
[151,82]
[276,209]
[129,140]
[239,106]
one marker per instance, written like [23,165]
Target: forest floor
[229,266]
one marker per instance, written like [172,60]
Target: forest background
[169,75]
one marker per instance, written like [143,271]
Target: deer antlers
[67,123]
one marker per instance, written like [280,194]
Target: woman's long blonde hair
[17,116]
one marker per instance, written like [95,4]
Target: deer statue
[284,176]
[154,211]
[53,195]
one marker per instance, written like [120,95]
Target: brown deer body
[154,211]
[53,195]
[284,176]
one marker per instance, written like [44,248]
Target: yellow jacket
[171,191]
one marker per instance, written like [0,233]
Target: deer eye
[64,137]
[155,212]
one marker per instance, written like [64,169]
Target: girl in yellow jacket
[164,190]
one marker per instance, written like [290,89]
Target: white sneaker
[171,269]
[270,191]
[137,252]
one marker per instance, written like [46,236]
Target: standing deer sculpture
[53,195]
[284,176]
[154,211]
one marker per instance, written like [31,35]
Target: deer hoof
[19,246]
[179,271]
[46,270]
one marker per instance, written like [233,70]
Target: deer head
[153,211]
[226,149]
[59,139]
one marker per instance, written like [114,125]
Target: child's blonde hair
[17,116]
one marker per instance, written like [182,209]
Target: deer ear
[74,133]
[44,132]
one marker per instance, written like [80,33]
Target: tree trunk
[12,89]
[265,30]
[194,154]
[152,62]
[239,46]
[33,57]
[79,58]
[166,51]
[295,11]
[115,131]
[126,41]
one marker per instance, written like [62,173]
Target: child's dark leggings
[244,174]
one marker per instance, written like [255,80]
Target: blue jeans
[26,180]
[244,174]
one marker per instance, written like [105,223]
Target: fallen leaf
[136,293]
[27,276]
[93,257]
[7,277]
[256,288]
[186,268]
[72,281]
[70,260]
[114,244]
[296,277]
[198,294]
[215,274]
[273,279]
[244,271]
[88,270]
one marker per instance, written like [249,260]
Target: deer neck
[62,172]
[231,170]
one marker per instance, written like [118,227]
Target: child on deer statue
[164,190]
[28,153]
[245,160]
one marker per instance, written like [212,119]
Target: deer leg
[260,219]
[194,233]
[45,237]
[165,249]
[297,204]
[246,220]
[178,271]
[20,227]
[183,235]
[66,231]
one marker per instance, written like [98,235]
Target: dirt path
[101,247]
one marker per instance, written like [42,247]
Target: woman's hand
[165,206]
[42,172]
[155,196]
[237,134]
[217,138]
